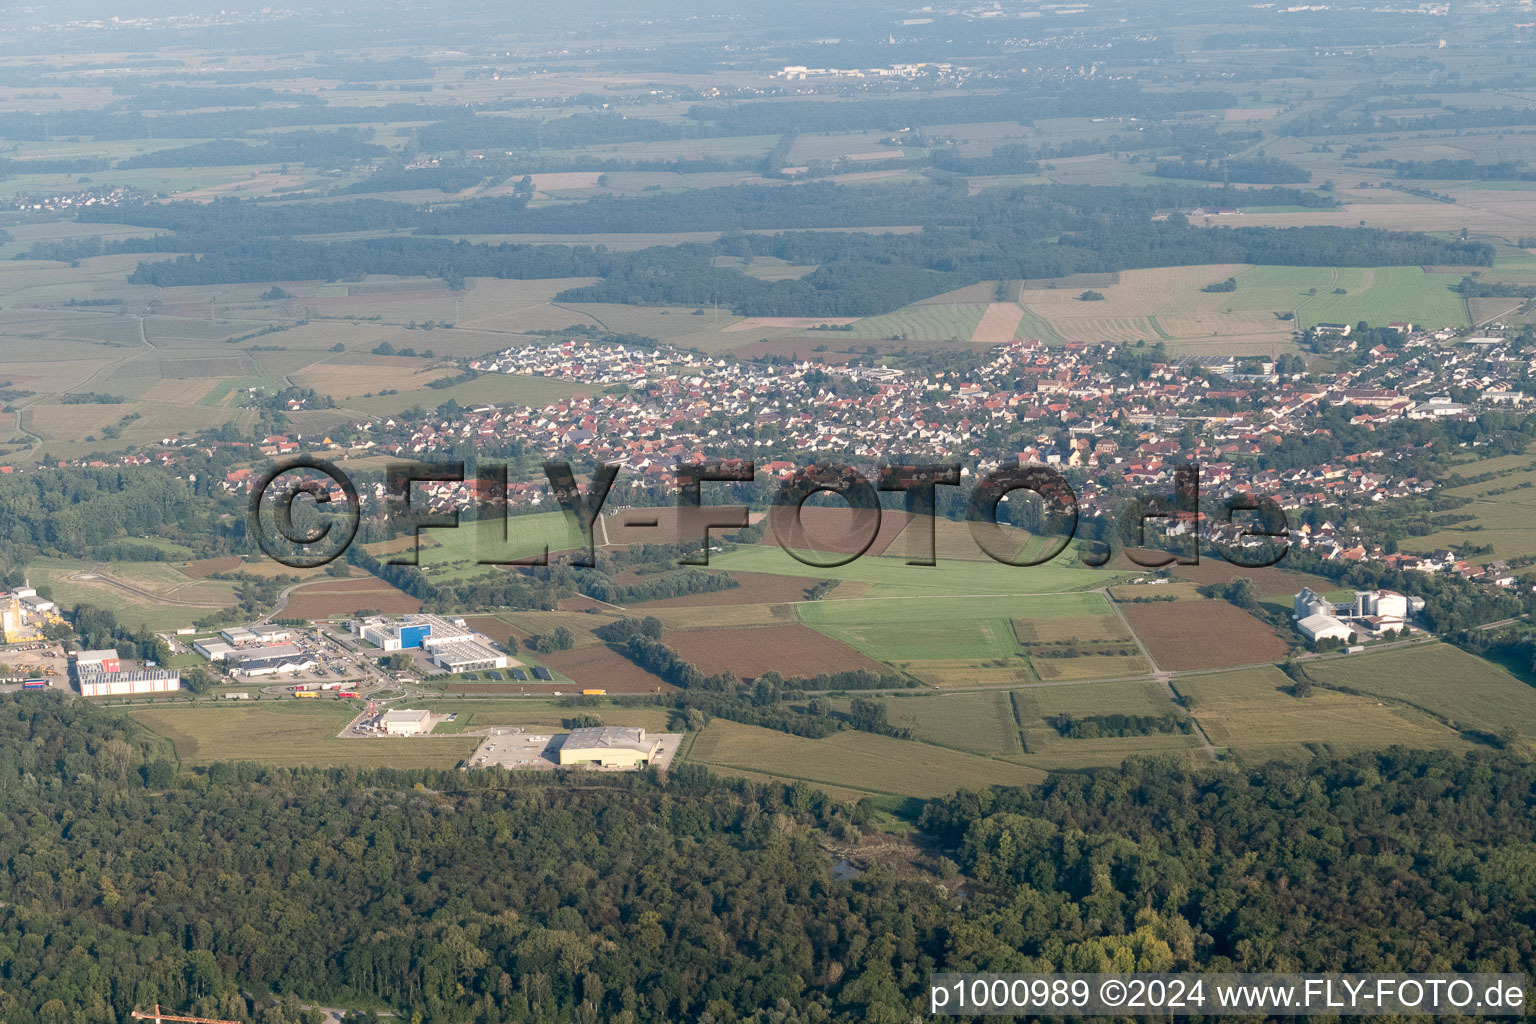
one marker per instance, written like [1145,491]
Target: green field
[1251,713]
[1445,681]
[1377,295]
[289,735]
[854,760]
[948,628]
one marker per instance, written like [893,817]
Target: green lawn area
[942,628]
[289,735]
[1251,713]
[1443,680]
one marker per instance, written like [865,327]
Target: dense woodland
[491,897]
[1001,234]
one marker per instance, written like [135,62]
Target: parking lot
[513,748]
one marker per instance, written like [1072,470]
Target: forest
[493,897]
[1000,234]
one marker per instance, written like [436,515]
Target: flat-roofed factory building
[406,722]
[609,746]
[466,656]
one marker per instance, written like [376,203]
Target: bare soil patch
[600,667]
[1203,634]
[790,650]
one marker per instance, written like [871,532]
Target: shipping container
[34,684]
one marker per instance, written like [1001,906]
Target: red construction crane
[158,1016]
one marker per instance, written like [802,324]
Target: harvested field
[790,650]
[343,597]
[998,323]
[600,667]
[756,588]
[1089,629]
[1185,635]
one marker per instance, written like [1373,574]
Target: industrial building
[99,674]
[466,656]
[23,615]
[609,747]
[106,660]
[410,632]
[266,661]
[242,636]
[406,722]
[449,643]
[213,650]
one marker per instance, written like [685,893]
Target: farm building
[406,722]
[608,746]
[1324,627]
[98,682]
